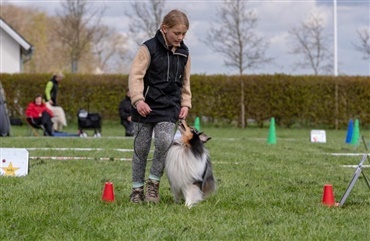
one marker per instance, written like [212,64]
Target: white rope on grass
[131,150]
[75,149]
[348,154]
[62,158]
[351,154]
[355,166]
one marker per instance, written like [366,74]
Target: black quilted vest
[163,81]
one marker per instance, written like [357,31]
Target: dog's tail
[208,184]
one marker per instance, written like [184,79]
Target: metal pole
[336,65]
[335,40]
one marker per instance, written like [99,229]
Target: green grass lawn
[265,192]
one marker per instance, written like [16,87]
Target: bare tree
[108,47]
[146,19]
[79,21]
[310,41]
[364,45]
[233,35]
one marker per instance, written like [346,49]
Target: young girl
[159,83]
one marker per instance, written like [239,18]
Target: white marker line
[348,154]
[64,149]
[61,158]
[77,149]
[355,166]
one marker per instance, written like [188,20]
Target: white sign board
[318,136]
[13,162]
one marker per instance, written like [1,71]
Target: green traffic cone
[272,132]
[356,133]
[197,123]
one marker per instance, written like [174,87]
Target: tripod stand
[356,175]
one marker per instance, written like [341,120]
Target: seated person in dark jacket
[124,110]
[40,114]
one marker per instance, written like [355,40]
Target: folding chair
[34,128]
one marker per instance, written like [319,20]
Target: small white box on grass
[318,136]
[13,162]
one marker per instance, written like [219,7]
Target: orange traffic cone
[108,193]
[328,195]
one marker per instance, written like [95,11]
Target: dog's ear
[204,138]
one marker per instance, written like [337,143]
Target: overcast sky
[276,17]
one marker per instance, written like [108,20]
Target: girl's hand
[184,112]
[143,108]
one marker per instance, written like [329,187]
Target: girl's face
[38,100]
[175,35]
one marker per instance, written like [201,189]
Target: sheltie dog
[188,166]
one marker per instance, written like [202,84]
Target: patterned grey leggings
[163,137]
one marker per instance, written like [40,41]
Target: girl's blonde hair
[175,17]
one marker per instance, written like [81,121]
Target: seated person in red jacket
[40,114]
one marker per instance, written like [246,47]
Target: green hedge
[292,100]
[97,93]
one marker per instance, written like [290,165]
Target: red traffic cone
[108,193]
[328,195]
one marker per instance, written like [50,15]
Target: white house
[14,49]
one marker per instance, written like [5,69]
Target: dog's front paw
[189,204]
